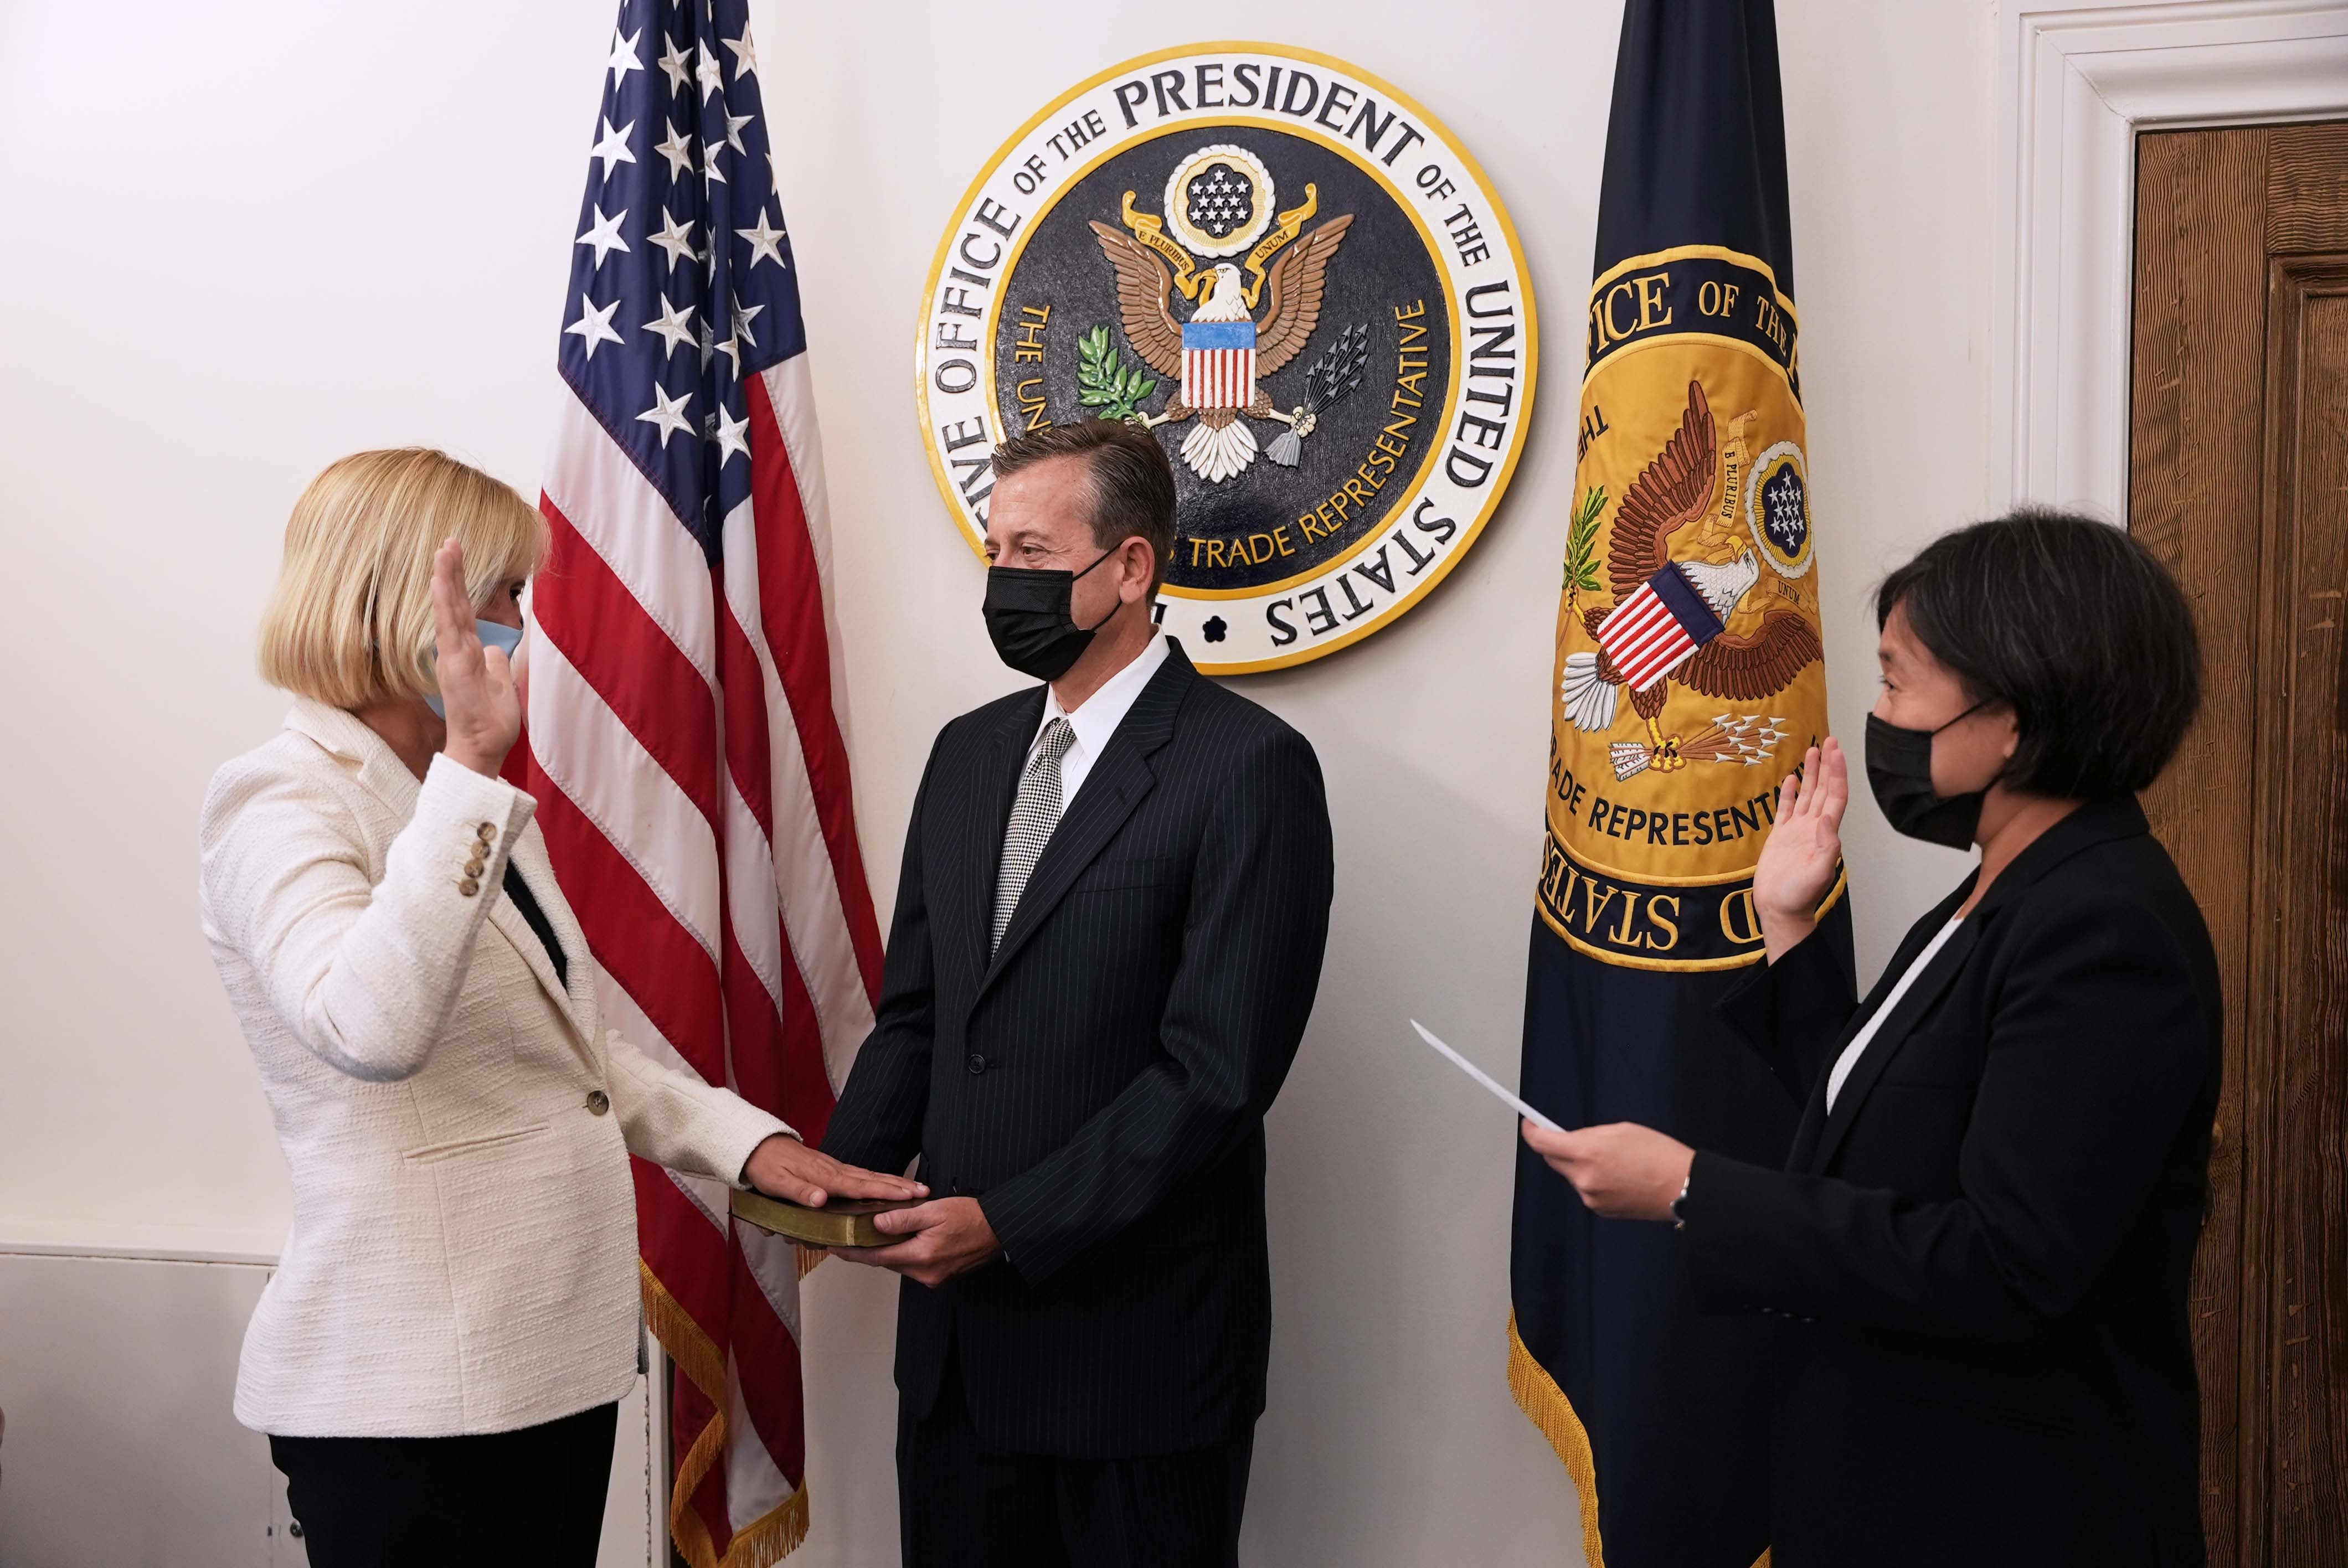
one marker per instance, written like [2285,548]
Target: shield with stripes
[1218,363]
[1657,629]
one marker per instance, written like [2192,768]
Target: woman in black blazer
[1981,1239]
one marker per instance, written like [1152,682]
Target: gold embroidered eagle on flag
[1673,612]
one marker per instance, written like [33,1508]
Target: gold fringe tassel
[763,1542]
[684,1522]
[688,1344]
[1546,1406]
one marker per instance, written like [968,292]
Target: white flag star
[733,435]
[594,326]
[673,324]
[708,345]
[746,58]
[666,414]
[613,147]
[710,174]
[678,150]
[743,315]
[737,332]
[677,64]
[763,243]
[676,238]
[706,73]
[624,56]
[734,124]
[604,233]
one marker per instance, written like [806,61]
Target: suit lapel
[346,736]
[536,868]
[1814,1116]
[387,778]
[2095,822]
[1896,1025]
[1116,785]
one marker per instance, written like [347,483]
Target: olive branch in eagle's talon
[1106,382]
[1581,546]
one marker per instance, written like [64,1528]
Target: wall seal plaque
[1293,276]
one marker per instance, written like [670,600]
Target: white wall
[243,240]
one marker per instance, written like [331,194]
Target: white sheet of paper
[1486,1079]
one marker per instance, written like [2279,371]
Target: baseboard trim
[140,1243]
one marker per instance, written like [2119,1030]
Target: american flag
[1652,632]
[684,738]
[1218,364]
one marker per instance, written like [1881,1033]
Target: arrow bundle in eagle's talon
[1333,376]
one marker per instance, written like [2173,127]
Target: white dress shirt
[1097,717]
[1858,1043]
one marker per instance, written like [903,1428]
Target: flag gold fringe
[688,1344]
[1546,1406]
[764,1541]
[758,1544]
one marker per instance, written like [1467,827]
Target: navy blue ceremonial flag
[1689,680]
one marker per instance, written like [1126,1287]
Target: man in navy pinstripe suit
[1106,941]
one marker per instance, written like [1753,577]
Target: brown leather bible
[843,1221]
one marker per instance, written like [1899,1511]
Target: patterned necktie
[1034,816]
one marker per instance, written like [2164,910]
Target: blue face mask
[493,634]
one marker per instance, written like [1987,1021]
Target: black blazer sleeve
[1251,965]
[1794,1011]
[877,1123]
[2093,1059]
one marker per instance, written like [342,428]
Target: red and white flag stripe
[1644,639]
[1219,377]
[685,741]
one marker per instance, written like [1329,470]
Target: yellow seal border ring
[1470,188]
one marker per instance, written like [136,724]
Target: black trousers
[527,1499]
[962,1504]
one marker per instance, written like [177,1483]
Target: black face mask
[1900,771]
[1027,616]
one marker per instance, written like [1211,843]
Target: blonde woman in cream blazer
[461,1264]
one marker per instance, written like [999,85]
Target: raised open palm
[1797,865]
[477,684]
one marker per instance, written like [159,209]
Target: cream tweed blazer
[462,1257]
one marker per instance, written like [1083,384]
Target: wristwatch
[1679,1220]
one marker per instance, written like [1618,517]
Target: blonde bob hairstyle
[350,623]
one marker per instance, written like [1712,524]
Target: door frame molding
[2076,84]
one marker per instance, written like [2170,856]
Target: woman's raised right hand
[477,685]
[1802,857]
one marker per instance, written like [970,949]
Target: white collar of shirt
[1097,717]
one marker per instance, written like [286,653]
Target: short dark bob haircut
[1133,484]
[2075,625]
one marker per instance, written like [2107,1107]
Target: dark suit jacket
[1100,1084]
[1986,1245]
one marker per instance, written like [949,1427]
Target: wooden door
[2239,481]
